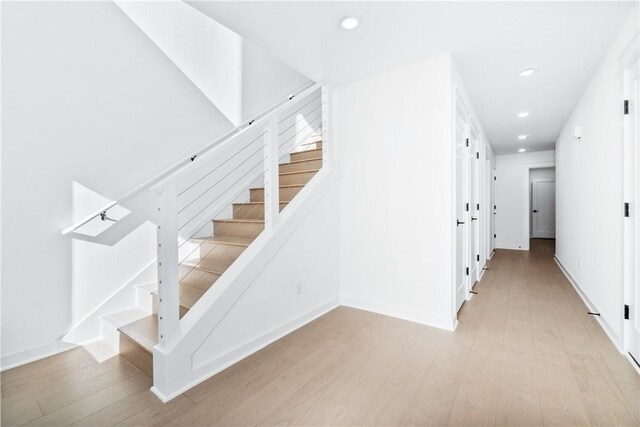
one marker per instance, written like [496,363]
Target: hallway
[525,352]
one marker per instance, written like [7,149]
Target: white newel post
[326,143]
[271,176]
[167,231]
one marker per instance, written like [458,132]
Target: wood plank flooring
[525,353]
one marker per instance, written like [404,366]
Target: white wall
[86,98]
[512,196]
[208,53]
[542,173]
[265,80]
[589,188]
[235,75]
[90,101]
[392,136]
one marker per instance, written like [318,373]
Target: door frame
[473,156]
[526,169]
[460,109]
[631,194]
[536,181]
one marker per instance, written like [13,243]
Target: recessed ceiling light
[522,150]
[521,137]
[349,23]
[527,72]
[523,114]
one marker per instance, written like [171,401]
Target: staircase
[218,219]
[213,256]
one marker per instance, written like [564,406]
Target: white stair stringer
[190,359]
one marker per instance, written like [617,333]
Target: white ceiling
[490,43]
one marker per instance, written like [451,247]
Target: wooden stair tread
[241,220]
[281,186]
[293,162]
[124,317]
[306,151]
[192,285]
[319,141]
[227,240]
[143,332]
[282,202]
[194,266]
[300,172]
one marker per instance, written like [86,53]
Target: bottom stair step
[137,340]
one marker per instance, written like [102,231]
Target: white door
[632,215]
[543,201]
[474,225]
[461,214]
[493,209]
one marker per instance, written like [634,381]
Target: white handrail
[179,166]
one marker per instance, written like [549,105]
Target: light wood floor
[525,353]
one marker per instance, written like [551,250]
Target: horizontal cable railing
[180,167]
[209,214]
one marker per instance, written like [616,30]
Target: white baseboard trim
[481,275]
[633,362]
[510,248]
[247,349]
[399,313]
[23,357]
[615,339]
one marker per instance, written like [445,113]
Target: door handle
[535,210]
[458,222]
[474,219]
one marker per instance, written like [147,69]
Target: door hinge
[477,155]
[626,312]
[467,271]
[467,207]
[626,107]
[494,178]
[478,206]
[467,142]
[626,209]
[478,257]
[494,236]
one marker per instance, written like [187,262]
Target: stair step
[214,257]
[251,210]
[142,331]
[301,165]
[193,283]
[110,323]
[227,240]
[137,340]
[299,177]
[306,154]
[238,227]
[314,144]
[124,317]
[287,193]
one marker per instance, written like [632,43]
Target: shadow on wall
[102,270]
